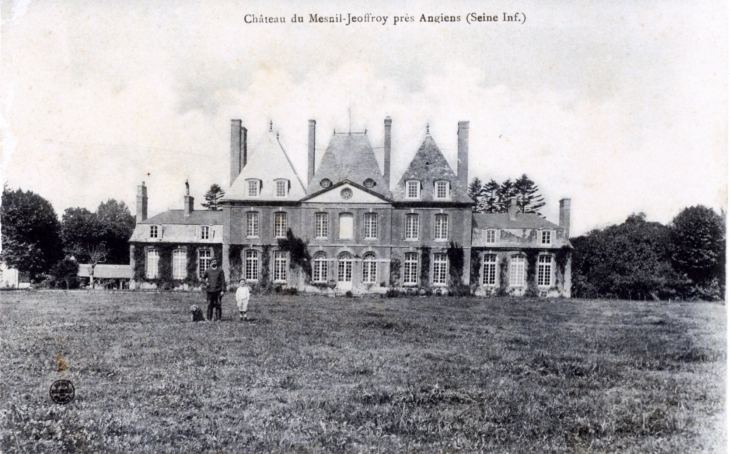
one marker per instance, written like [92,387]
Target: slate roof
[197,217]
[349,157]
[267,162]
[428,166]
[502,221]
[106,271]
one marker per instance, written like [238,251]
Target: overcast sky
[621,107]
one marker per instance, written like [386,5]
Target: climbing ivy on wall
[503,277]
[236,264]
[395,265]
[265,271]
[164,265]
[476,267]
[425,266]
[299,257]
[455,254]
[531,272]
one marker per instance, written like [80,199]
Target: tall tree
[30,232]
[474,190]
[65,270]
[118,224]
[504,195]
[213,196]
[489,201]
[698,240]
[80,231]
[529,199]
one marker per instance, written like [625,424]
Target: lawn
[318,374]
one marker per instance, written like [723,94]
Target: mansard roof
[503,221]
[429,166]
[197,217]
[349,156]
[267,162]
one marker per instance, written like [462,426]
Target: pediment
[346,192]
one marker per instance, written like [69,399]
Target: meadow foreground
[317,374]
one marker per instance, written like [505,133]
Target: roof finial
[271,125]
[427,129]
[187,188]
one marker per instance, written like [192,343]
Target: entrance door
[344,271]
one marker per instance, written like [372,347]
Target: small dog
[197,313]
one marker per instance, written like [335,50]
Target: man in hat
[215,285]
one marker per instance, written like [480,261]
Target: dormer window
[546,237]
[325,183]
[413,189]
[205,232]
[154,231]
[282,188]
[254,188]
[369,183]
[441,190]
[490,236]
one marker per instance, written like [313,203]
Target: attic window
[282,188]
[204,232]
[369,183]
[413,189]
[154,231]
[254,188]
[325,183]
[441,190]
[490,236]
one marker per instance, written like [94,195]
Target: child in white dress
[242,296]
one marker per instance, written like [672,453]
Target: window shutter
[211,231]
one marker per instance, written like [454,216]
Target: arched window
[517,271]
[440,269]
[251,265]
[489,272]
[319,271]
[544,270]
[344,267]
[369,268]
[153,259]
[179,263]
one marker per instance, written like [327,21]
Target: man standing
[215,281]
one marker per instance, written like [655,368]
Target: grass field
[317,374]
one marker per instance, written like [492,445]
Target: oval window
[325,183]
[346,193]
[369,183]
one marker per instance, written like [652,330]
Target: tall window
[413,189]
[371,226]
[179,263]
[412,226]
[154,230]
[204,258]
[281,188]
[490,236]
[205,232]
[153,259]
[346,226]
[253,188]
[280,224]
[319,271]
[369,268]
[344,267]
[321,225]
[251,265]
[280,266]
[252,224]
[517,271]
[544,270]
[410,268]
[442,190]
[547,237]
[440,269]
[489,273]
[441,231]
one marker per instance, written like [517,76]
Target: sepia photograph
[386,227]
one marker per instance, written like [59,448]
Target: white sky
[620,106]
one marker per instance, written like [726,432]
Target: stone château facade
[364,230]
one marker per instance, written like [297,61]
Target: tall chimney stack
[238,148]
[141,202]
[462,168]
[310,150]
[386,152]
[565,216]
[188,201]
[512,209]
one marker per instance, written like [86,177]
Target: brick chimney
[386,152]
[512,209]
[141,202]
[239,148]
[310,150]
[565,216]
[188,201]
[462,168]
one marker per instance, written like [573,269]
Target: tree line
[493,197]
